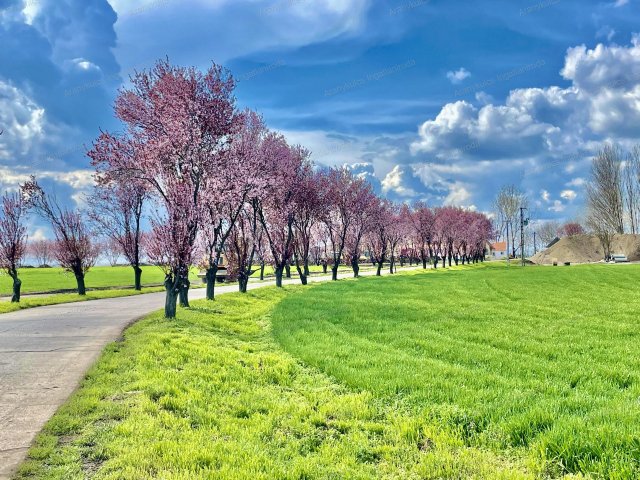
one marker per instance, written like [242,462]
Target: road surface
[46,351]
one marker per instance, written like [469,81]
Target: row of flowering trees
[215,180]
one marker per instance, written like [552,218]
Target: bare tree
[547,232]
[605,191]
[507,204]
[631,180]
[603,231]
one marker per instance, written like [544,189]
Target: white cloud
[395,182]
[22,121]
[458,196]
[557,207]
[458,76]
[545,195]
[568,195]
[576,182]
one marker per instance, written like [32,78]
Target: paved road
[46,351]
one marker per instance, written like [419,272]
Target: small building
[499,250]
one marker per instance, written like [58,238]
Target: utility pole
[535,248]
[523,222]
[508,252]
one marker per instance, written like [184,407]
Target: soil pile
[587,249]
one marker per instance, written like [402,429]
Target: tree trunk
[303,276]
[184,292]
[334,271]
[171,299]
[278,272]
[356,267]
[324,267]
[17,284]
[212,272]
[424,263]
[137,271]
[82,290]
[306,268]
[391,263]
[262,271]
[243,281]
[287,269]
[379,270]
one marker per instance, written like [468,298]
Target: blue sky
[436,100]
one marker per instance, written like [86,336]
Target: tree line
[214,180]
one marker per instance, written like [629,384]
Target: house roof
[499,246]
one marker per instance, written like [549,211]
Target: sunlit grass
[211,395]
[39,301]
[541,363]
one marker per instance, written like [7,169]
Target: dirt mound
[587,249]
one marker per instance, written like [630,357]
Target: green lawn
[482,372]
[42,280]
[541,363]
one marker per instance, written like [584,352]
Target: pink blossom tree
[241,179]
[570,229]
[245,241]
[280,204]
[308,212]
[378,237]
[74,248]
[365,205]
[178,122]
[341,192]
[41,251]
[423,223]
[116,212]
[13,239]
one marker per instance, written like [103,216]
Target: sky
[434,100]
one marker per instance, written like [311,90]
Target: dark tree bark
[79,274]
[355,264]
[184,291]
[262,271]
[17,284]
[278,272]
[212,272]
[171,299]
[303,276]
[138,277]
[287,269]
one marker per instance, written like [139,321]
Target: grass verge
[212,395]
[31,302]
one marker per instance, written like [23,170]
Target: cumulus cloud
[547,132]
[458,76]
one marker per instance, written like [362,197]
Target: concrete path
[46,351]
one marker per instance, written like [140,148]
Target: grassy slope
[542,363]
[211,395]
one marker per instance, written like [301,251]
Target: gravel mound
[587,249]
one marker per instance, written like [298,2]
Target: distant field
[55,279]
[42,280]
[541,363]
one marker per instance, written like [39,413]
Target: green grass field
[44,280]
[40,280]
[482,372]
[541,363]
